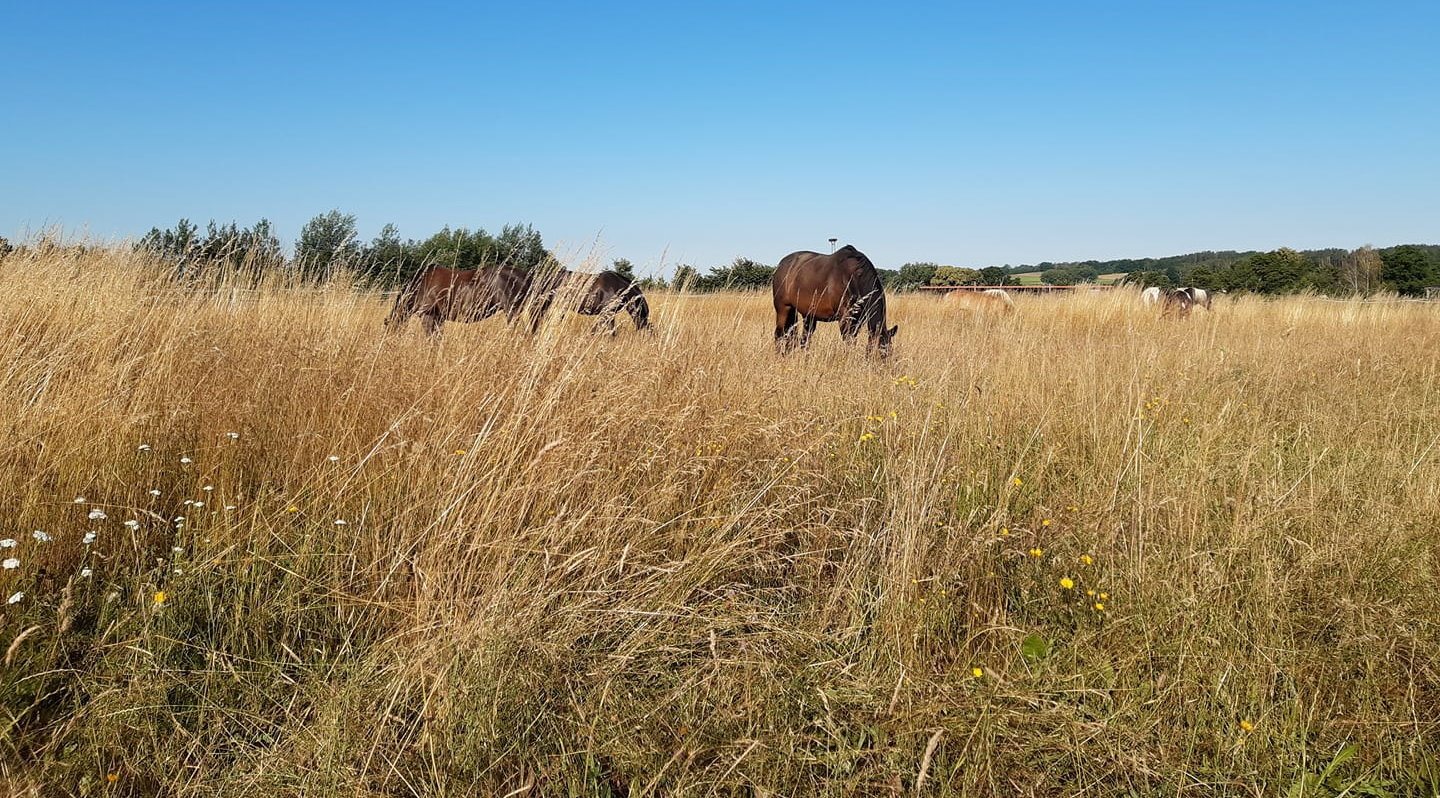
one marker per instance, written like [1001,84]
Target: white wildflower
[234,436]
[79,500]
[334,458]
[15,598]
[144,447]
[199,504]
[97,514]
[132,523]
[229,506]
[85,573]
[89,538]
[41,536]
[186,461]
[7,543]
[154,491]
[208,488]
[10,564]
[341,522]
[177,550]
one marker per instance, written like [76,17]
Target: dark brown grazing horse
[1176,301]
[604,295]
[842,286]
[438,295]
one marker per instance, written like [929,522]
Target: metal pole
[832,245]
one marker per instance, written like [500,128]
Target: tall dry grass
[677,564]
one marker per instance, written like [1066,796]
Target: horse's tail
[409,295]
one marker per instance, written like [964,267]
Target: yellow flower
[1072,508]
[112,777]
[1099,607]
[1090,593]
[869,436]
[1104,596]
[1004,531]
[977,672]
[459,452]
[1037,553]
[1017,482]
[1067,583]
[292,509]
[1086,559]
[1246,725]
[1186,420]
[159,597]
[1046,522]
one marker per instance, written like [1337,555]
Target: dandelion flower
[869,436]
[1104,596]
[7,543]
[292,509]
[1004,531]
[10,564]
[112,777]
[186,461]
[159,597]
[977,672]
[1099,606]
[97,515]
[1246,725]
[89,538]
[15,598]
[1017,482]
[1037,553]
[1046,522]
[1067,583]
[1090,593]
[459,452]
[85,573]
[1072,508]
[1086,559]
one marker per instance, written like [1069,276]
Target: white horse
[1150,296]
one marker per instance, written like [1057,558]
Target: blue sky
[969,134]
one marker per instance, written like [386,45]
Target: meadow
[262,548]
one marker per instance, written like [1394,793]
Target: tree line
[330,242]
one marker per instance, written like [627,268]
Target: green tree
[954,275]
[740,274]
[1407,270]
[623,267]
[913,275]
[387,259]
[994,275]
[327,242]
[685,278]
[1069,275]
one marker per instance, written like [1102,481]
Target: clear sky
[962,133]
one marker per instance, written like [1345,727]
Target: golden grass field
[1073,551]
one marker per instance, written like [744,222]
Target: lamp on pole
[832,245]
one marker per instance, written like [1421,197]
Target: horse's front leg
[430,322]
[807,331]
[784,328]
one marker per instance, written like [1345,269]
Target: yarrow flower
[89,538]
[10,563]
[186,461]
[85,573]
[208,488]
[7,543]
[41,536]
[334,458]
[97,514]
[144,447]
[132,523]
[341,522]
[233,435]
[79,500]
[154,491]
[15,598]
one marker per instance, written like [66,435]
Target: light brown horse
[1176,302]
[438,295]
[842,286]
[990,300]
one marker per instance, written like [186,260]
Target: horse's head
[882,340]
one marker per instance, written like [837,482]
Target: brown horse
[1176,301]
[842,286]
[438,295]
[604,295]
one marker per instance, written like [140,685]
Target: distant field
[1028,278]
[1074,551]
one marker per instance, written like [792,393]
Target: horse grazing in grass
[605,295]
[842,286]
[991,300]
[438,295]
[1199,297]
[1150,296]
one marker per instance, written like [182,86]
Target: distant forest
[329,243]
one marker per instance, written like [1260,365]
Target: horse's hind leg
[430,322]
[785,319]
[807,331]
